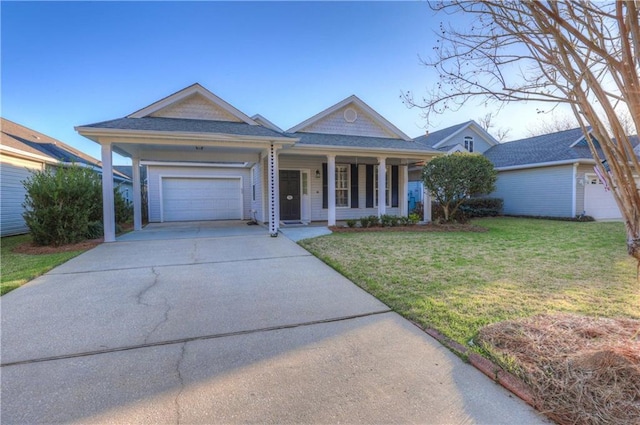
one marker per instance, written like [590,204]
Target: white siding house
[208,160]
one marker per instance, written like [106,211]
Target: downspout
[574,188]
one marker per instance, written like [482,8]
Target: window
[342,185]
[468,143]
[387,186]
[305,183]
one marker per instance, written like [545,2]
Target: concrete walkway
[185,325]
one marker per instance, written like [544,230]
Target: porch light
[317,174]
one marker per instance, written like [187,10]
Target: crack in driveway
[176,401]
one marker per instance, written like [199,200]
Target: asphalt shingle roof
[540,149]
[436,137]
[33,142]
[187,125]
[338,140]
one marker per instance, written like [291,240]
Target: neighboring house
[464,137]
[551,175]
[23,151]
[207,160]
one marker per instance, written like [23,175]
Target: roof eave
[94,133]
[546,164]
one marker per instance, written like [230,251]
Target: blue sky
[71,63]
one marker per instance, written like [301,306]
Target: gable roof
[563,146]
[189,92]
[23,141]
[354,101]
[444,139]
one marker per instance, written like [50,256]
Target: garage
[599,203]
[194,199]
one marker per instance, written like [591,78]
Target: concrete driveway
[195,324]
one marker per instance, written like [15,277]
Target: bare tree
[581,53]
[487,123]
[552,124]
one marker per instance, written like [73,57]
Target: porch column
[382,184]
[404,188]
[137,193]
[108,205]
[273,182]
[426,206]
[331,190]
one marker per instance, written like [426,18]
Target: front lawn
[458,282]
[17,268]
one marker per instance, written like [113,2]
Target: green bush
[64,205]
[59,204]
[369,221]
[351,222]
[414,218]
[123,208]
[387,220]
[482,207]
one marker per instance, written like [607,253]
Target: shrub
[387,220]
[438,216]
[123,208]
[369,221]
[59,203]
[414,218]
[351,222]
[482,207]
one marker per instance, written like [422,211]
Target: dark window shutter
[369,184]
[325,192]
[394,186]
[354,186]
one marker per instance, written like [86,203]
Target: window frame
[346,181]
[468,143]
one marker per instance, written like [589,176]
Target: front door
[289,195]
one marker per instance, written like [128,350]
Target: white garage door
[599,203]
[189,199]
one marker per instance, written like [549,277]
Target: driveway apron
[223,325]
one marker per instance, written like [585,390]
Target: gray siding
[13,193]
[317,212]
[539,191]
[157,172]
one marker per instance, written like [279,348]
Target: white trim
[177,135]
[546,164]
[196,164]
[189,91]
[353,99]
[198,177]
[343,164]
[366,152]
[331,190]
[266,123]
[29,155]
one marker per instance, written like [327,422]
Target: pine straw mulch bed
[581,370]
[31,249]
[449,227]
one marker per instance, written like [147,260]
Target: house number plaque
[289,197]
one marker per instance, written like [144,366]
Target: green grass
[17,269]
[458,282]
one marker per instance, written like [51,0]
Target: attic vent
[350,115]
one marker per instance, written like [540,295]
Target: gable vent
[350,115]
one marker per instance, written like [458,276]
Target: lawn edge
[497,374]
